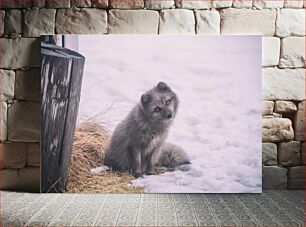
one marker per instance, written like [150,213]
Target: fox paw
[150,172]
[137,175]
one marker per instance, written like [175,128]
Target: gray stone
[269,154]
[289,153]
[285,106]
[80,3]
[270,51]
[126,4]
[274,177]
[277,129]
[14,155]
[33,154]
[135,22]
[277,115]
[15,4]
[208,22]
[221,3]
[99,3]
[262,4]
[283,84]
[293,52]
[248,21]
[299,122]
[7,81]
[9,179]
[296,178]
[267,107]
[14,36]
[290,22]
[3,121]
[303,160]
[293,4]
[2,15]
[159,4]
[81,21]
[55,4]
[20,53]
[13,21]
[191,4]
[26,179]
[24,122]
[242,4]
[27,86]
[39,3]
[29,179]
[178,21]
[39,22]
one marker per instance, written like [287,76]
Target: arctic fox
[138,142]
[172,156]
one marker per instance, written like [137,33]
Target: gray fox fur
[172,156]
[137,142]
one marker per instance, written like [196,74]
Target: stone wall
[281,22]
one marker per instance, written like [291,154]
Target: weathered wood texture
[62,72]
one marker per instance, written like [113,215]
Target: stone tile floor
[271,208]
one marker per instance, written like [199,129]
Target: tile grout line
[287,201]
[25,196]
[229,210]
[250,212]
[81,210]
[68,203]
[138,208]
[40,211]
[100,213]
[38,197]
[5,198]
[174,203]
[136,220]
[172,197]
[120,210]
[247,209]
[213,214]
[87,204]
[21,197]
[269,214]
[277,220]
[157,210]
[272,201]
[194,215]
[170,208]
[260,203]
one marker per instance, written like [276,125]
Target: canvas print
[156,114]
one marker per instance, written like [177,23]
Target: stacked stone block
[280,22]
[283,144]
[20,114]
[20,98]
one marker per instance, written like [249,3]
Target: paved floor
[271,208]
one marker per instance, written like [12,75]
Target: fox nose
[169,116]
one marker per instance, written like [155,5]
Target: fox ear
[145,99]
[162,86]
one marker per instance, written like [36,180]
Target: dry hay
[87,153]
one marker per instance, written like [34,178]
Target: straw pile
[88,152]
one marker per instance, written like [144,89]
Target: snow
[218,82]
[99,169]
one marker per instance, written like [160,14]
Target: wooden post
[61,81]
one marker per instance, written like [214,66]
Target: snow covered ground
[218,82]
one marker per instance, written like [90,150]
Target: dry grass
[88,152]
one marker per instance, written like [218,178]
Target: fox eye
[157,109]
[168,102]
